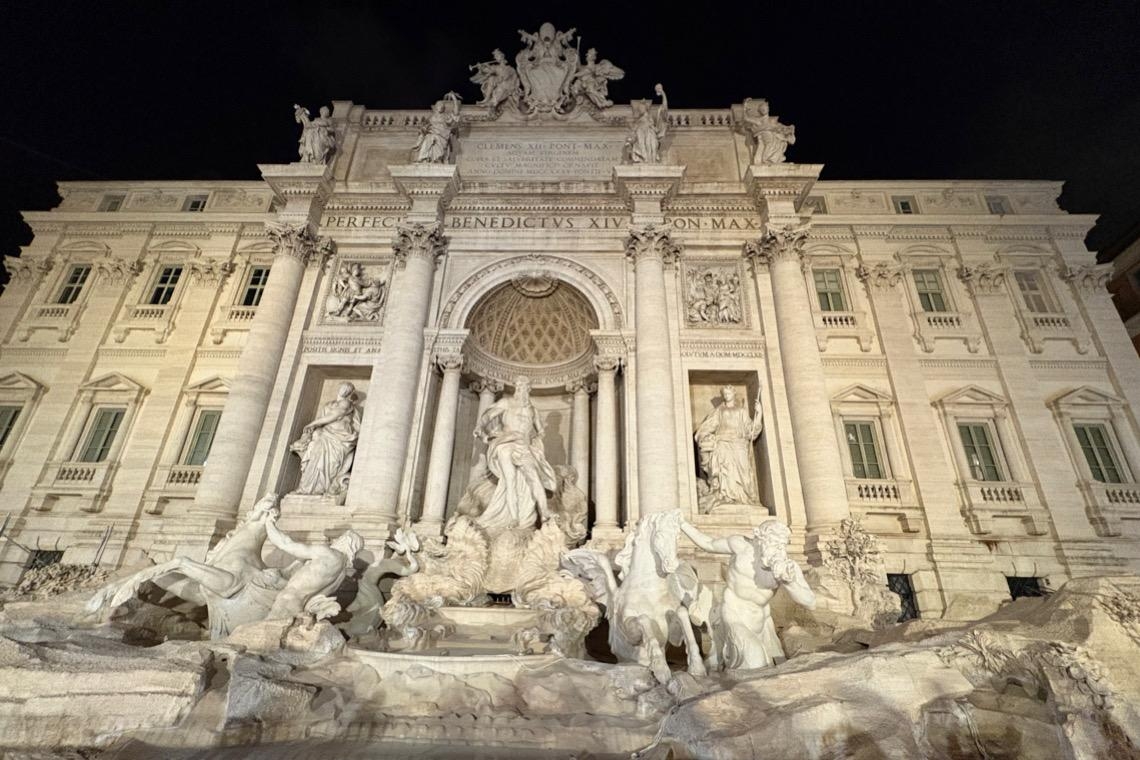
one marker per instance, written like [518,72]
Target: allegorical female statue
[436,140]
[317,136]
[724,441]
[648,130]
[327,446]
[497,79]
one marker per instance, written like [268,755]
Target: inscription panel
[539,157]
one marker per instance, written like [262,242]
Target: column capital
[984,279]
[651,241]
[607,363]
[880,276]
[417,240]
[486,385]
[1091,278]
[297,241]
[581,384]
[209,271]
[449,362]
[783,242]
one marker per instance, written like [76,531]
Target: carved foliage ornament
[1090,277]
[983,279]
[778,243]
[417,240]
[881,276]
[116,271]
[209,271]
[298,242]
[651,241]
[24,270]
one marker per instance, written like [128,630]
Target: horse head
[658,532]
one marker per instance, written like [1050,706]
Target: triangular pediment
[114,381]
[1085,396]
[860,392]
[972,394]
[175,246]
[84,246]
[18,381]
[213,384]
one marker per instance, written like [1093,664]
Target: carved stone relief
[714,296]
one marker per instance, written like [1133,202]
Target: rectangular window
[8,417]
[112,202]
[1021,586]
[865,460]
[194,203]
[44,558]
[203,437]
[929,287]
[904,204]
[73,286]
[829,288]
[1032,291]
[1103,463]
[997,204]
[900,583]
[817,203]
[980,452]
[255,286]
[102,434]
[164,286]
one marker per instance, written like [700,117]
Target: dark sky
[201,90]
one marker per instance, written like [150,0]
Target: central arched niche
[533,325]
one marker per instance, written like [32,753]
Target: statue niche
[727,426]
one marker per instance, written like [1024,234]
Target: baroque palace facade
[937,358]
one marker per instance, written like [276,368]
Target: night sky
[917,90]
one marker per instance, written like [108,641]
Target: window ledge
[1109,504]
[988,500]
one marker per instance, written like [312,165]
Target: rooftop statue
[592,80]
[498,81]
[437,140]
[648,129]
[546,67]
[318,140]
[770,139]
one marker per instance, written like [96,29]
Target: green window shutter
[203,437]
[829,289]
[1098,453]
[102,435]
[980,453]
[865,463]
[8,417]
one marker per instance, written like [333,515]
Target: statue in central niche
[513,433]
[724,441]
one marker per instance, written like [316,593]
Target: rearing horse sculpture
[658,599]
[233,583]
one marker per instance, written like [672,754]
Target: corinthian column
[304,188]
[396,372]
[580,432]
[652,249]
[605,448]
[813,431]
[442,443]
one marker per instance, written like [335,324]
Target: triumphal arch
[529,318]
